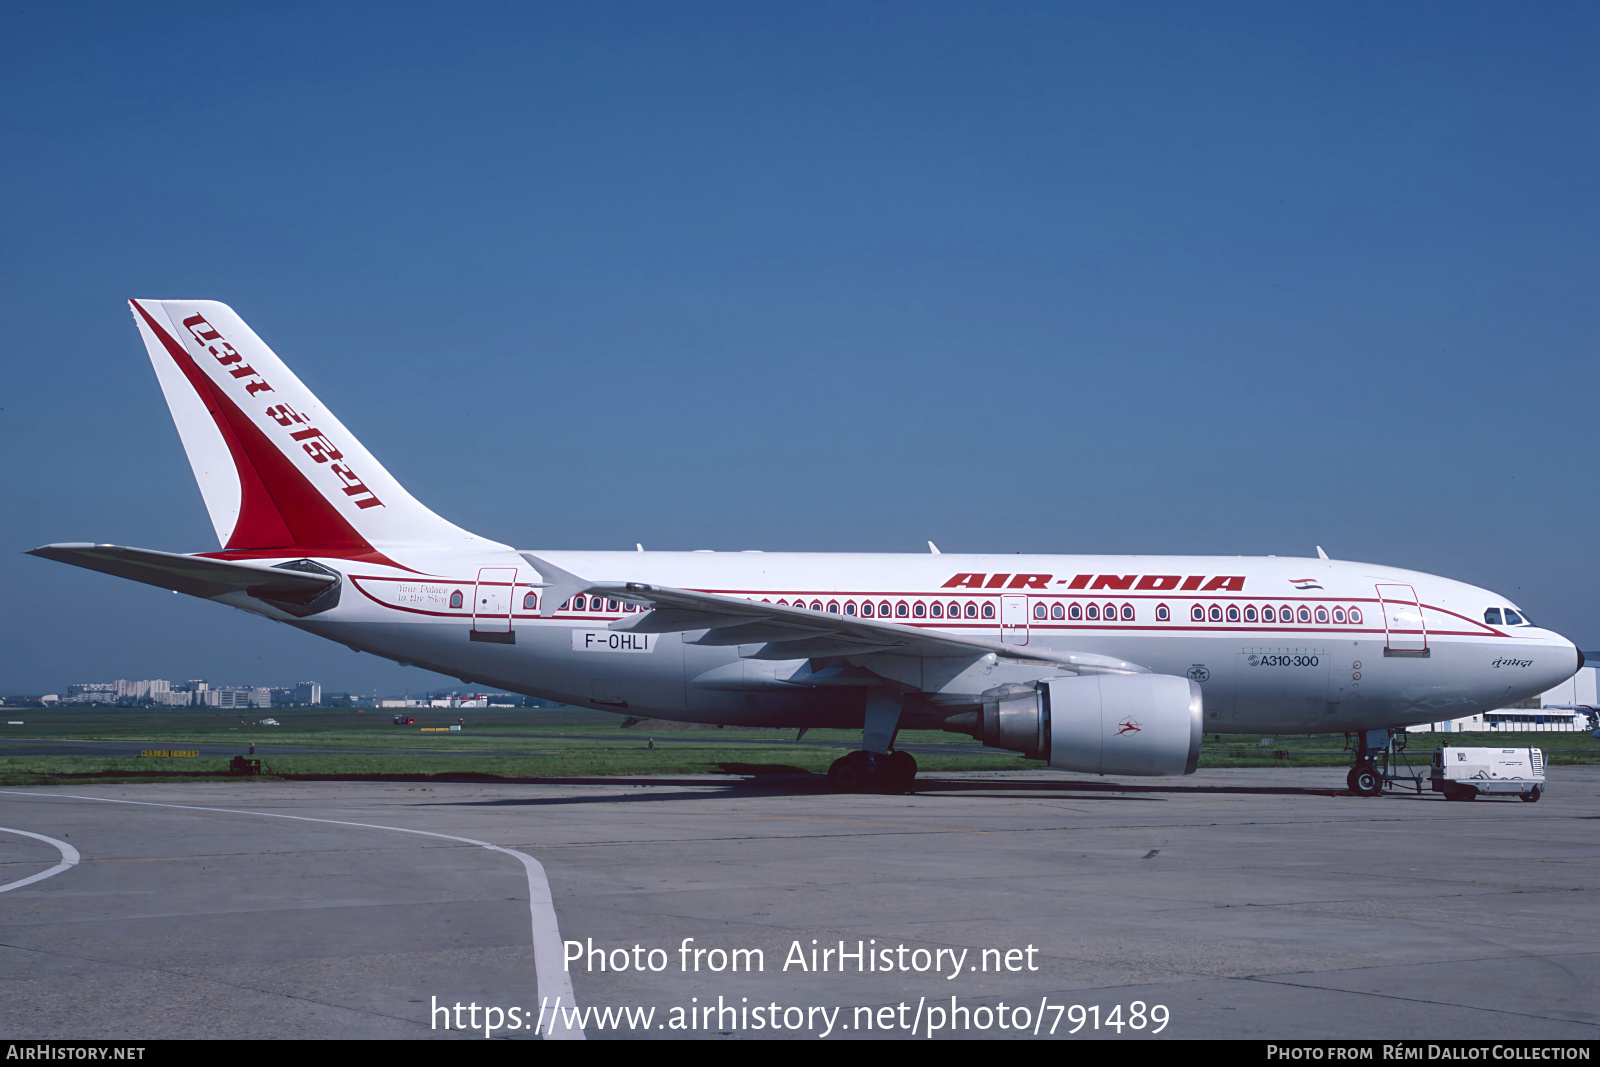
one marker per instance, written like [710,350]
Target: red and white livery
[1101,664]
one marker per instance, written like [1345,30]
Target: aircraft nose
[1577,660]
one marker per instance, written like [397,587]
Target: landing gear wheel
[1532,795]
[898,772]
[1364,780]
[850,774]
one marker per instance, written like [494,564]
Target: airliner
[1093,664]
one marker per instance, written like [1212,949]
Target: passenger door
[1402,620]
[491,605]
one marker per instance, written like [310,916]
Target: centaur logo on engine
[1149,583]
[313,440]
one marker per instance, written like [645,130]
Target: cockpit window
[1492,617]
[1513,619]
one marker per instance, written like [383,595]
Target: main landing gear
[894,772]
[874,766]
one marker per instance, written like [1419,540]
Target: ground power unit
[1463,773]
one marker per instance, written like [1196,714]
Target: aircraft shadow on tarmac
[655,790]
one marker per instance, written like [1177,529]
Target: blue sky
[1231,278]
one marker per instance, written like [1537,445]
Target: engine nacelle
[1144,724]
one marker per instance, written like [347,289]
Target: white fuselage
[1280,645]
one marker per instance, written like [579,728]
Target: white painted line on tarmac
[549,962]
[69,858]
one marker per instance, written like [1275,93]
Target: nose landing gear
[1364,780]
[1377,764]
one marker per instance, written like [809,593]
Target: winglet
[559,586]
[933,548]
[1321,554]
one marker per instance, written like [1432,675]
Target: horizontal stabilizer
[194,575]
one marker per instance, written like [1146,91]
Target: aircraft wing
[194,575]
[798,633]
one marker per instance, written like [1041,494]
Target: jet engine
[1145,724]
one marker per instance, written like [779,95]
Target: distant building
[92,693]
[238,696]
[306,693]
[150,690]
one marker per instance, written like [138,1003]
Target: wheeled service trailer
[1463,773]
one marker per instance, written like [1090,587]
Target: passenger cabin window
[611,605]
[988,609]
[1233,613]
[850,607]
[816,605]
[1305,614]
[1286,614]
[1355,616]
[833,606]
[1216,613]
[1127,613]
[529,602]
[883,610]
[1057,611]
[1111,612]
[901,610]
[1075,611]
[1197,613]
[972,610]
[1040,611]
[1267,614]
[1322,614]
[1163,613]
[1338,615]
[1250,613]
[918,610]
[1094,611]
[456,599]
[936,609]
[1492,617]
[866,610]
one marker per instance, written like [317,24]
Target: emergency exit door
[1014,620]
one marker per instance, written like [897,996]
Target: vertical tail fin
[280,475]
